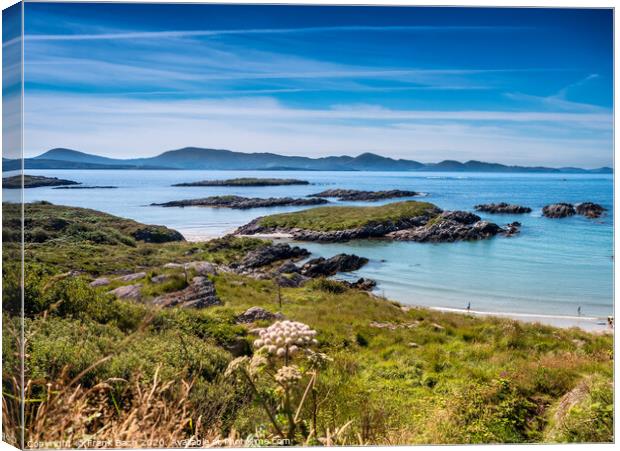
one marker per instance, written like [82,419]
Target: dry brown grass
[112,414]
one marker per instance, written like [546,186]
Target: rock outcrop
[246,181]
[357,195]
[291,279]
[503,208]
[321,266]
[127,291]
[361,284]
[33,181]
[367,231]
[86,187]
[254,314]
[590,209]
[157,234]
[202,268]
[559,210]
[100,282]
[131,277]
[450,226]
[242,203]
[562,210]
[266,255]
[199,294]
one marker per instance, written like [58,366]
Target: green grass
[427,377]
[326,219]
[44,222]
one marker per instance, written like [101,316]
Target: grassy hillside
[107,368]
[340,218]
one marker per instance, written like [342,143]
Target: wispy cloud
[251,31]
[460,88]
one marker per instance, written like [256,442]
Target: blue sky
[518,86]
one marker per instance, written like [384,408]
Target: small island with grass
[246,181]
[369,196]
[242,203]
[406,221]
[34,181]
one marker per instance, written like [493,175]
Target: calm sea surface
[551,268]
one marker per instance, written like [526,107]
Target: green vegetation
[246,181]
[34,181]
[324,219]
[393,375]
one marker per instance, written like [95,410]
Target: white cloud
[128,128]
[249,31]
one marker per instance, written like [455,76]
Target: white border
[478,3]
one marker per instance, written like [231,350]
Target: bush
[585,414]
[219,325]
[178,354]
[56,345]
[361,340]
[328,285]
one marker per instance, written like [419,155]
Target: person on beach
[468,307]
[579,311]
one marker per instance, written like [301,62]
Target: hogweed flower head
[318,360]
[236,365]
[288,375]
[285,338]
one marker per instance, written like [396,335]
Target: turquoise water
[551,268]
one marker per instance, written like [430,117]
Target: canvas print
[303,225]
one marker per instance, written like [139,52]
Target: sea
[556,271]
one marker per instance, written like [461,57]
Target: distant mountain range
[190,158]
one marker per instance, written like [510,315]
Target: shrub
[585,414]
[328,285]
[176,353]
[361,340]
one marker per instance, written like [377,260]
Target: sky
[515,86]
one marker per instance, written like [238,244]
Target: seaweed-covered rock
[357,195]
[242,203]
[590,209]
[449,227]
[246,181]
[559,210]
[503,208]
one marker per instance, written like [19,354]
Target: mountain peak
[206,158]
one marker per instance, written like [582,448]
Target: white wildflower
[285,338]
[288,375]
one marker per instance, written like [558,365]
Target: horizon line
[610,166]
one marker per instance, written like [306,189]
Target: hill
[189,158]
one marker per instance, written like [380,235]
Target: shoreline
[591,324]
[587,323]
